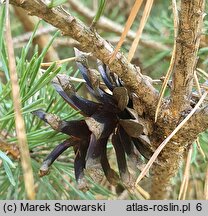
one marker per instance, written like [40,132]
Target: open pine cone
[111,117]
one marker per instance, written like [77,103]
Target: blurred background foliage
[153,56]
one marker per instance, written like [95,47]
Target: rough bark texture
[190,24]
[191,16]
[92,42]
[187,44]
[171,157]
[108,25]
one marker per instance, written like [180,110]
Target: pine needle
[98,13]
[58,62]
[206,186]
[202,72]
[145,16]
[19,121]
[200,148]
[144,193]
[128,25]
[163,144]
[184,185]
[170,69]
[197,84]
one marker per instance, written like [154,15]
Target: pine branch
[187,43]
[102,50]
[109,25]
[186,52]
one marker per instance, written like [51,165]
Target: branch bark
[187,44]
[108,25]
[171,157]
[92,42]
